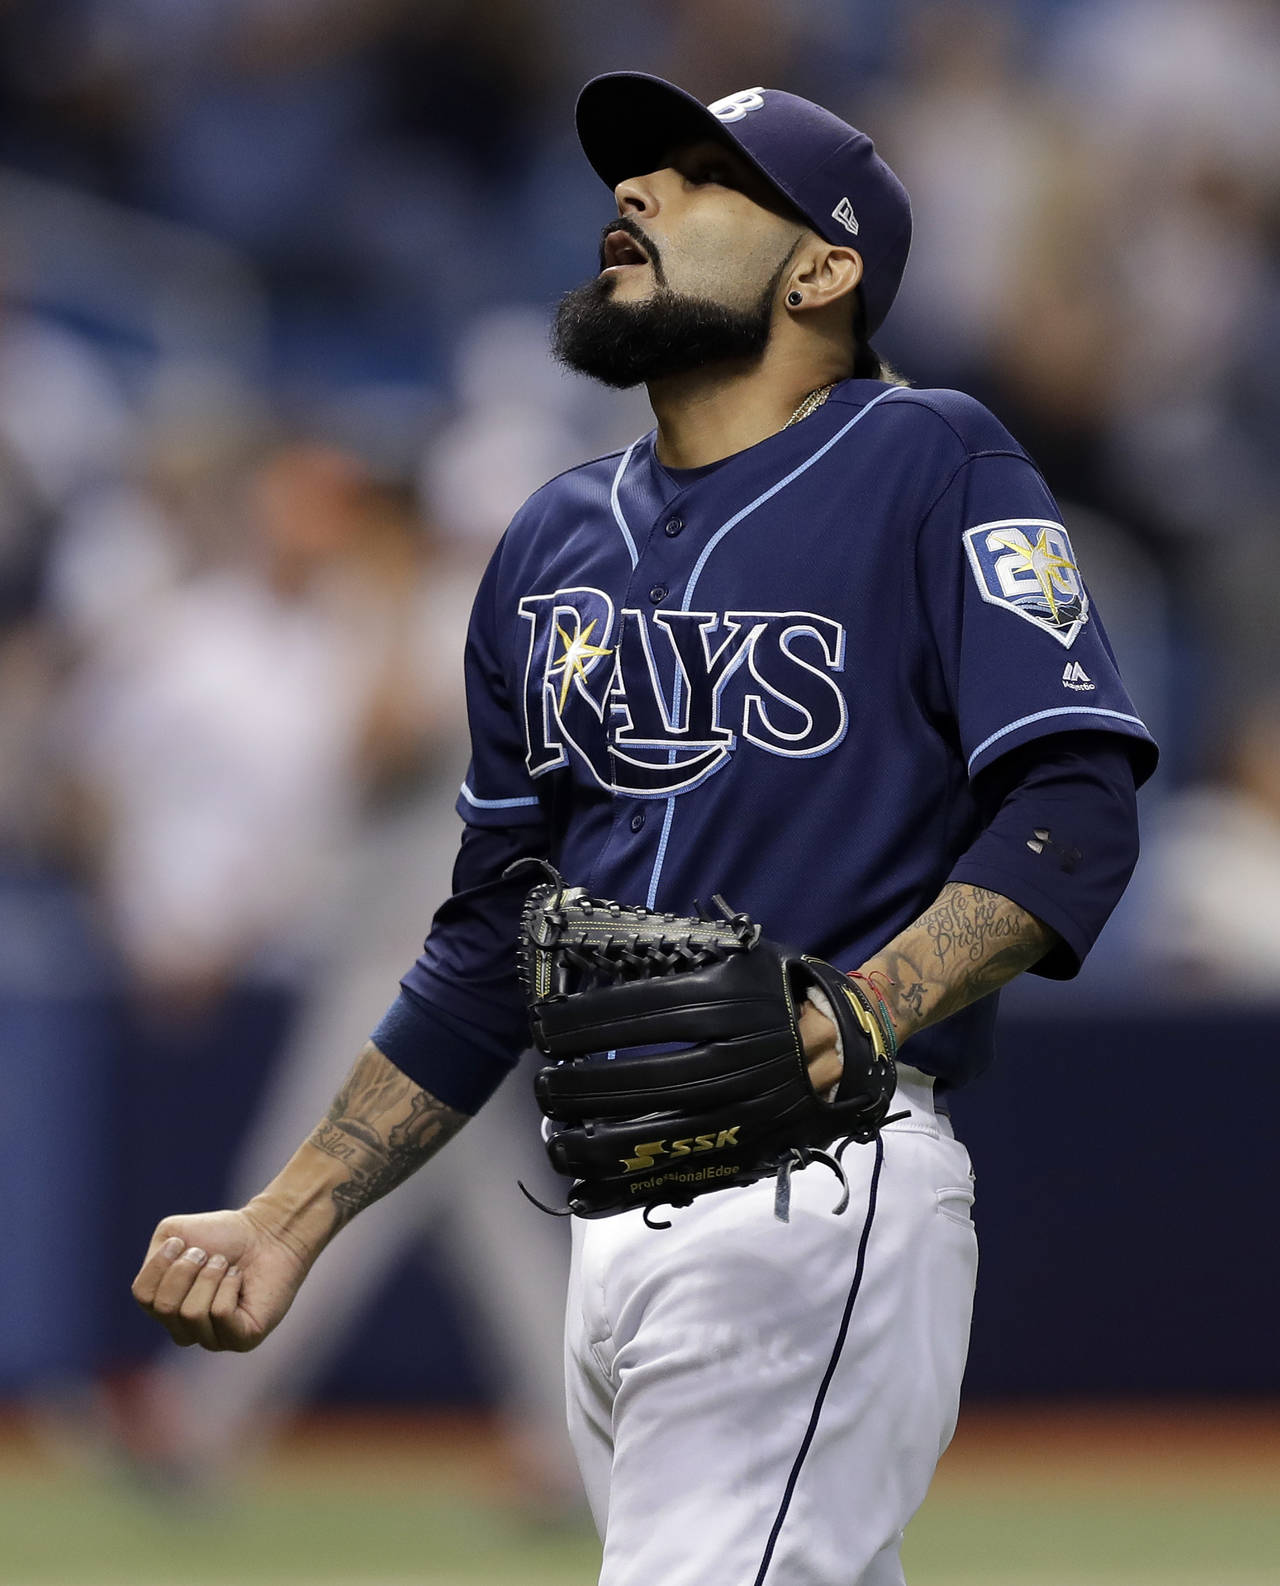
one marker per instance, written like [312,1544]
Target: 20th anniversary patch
[1027,566]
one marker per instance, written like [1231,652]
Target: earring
[795,299]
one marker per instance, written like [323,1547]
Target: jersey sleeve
[498,790]
[1020,646]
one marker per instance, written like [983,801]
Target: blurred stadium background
[274,284]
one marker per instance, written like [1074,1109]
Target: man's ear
[822,276]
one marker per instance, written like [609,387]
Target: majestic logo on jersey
[642,698]
[1027,565]
[734,106]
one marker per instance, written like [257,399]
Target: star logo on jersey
[1040,560]
[1027,566]
[576,657]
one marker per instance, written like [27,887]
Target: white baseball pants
[758,1403]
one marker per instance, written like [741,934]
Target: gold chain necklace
[811,404]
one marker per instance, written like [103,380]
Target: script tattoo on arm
[381,1127]
[967,944]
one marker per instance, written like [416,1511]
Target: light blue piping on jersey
[494,804]
[1043,715]
[710,546]
[617,505]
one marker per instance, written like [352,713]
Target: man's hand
[820,1050]
[223,1280]
[218,1279]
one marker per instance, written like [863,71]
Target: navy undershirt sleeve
[459,1024]
[1061,839]
[460,1064]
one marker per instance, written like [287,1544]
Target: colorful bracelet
[881,1005]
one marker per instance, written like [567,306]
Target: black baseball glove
[718,1093]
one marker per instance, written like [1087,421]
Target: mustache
[637,234]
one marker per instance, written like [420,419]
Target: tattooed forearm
[969,943]
[381,1127]
[965,922]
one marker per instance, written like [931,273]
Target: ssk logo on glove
[646,1155]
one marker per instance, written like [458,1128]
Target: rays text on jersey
[654,702]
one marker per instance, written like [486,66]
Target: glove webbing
[610,943]
[630,957]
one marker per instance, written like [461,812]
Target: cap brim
[629,122]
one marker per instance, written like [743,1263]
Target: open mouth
[621,250]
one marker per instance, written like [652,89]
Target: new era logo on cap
[843,212]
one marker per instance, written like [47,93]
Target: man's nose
[639,195]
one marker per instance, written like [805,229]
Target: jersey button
[673,527]
[637,821]
[658,593]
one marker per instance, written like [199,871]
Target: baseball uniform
[822,677]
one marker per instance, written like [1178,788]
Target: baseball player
[819,643]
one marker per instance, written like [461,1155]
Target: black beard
[629,344]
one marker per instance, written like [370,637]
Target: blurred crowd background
[275,279]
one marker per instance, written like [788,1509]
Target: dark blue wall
[1126,1167]
[1125,1162]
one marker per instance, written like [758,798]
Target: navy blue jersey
[776,677]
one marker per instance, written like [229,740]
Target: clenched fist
[222,1280]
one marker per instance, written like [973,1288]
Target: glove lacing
[800,1156]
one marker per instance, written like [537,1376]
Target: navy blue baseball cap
[629,122]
